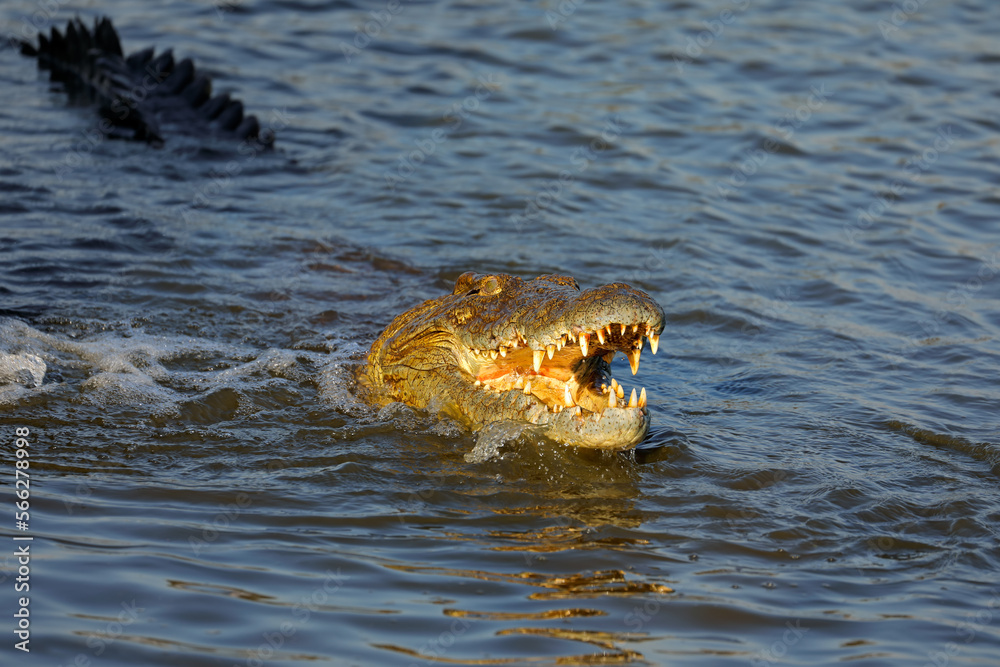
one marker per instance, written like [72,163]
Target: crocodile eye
[490,286]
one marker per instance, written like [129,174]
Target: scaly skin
[139,93]
[500,348]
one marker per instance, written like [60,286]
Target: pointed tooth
[633,359]
[567,395]
[654,342]
[503,351]
[583,343]
[623,329]
[527,387]
[632,403]
[536,358]
[612,402]
[577,410]
[519,383]
[557,408]
[642,398]
[635,327]
[494,354]
[550,349]
[477,383]
[608,328]
[600,335]
[614,384]
[619,391]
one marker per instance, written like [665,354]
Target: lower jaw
[616,428]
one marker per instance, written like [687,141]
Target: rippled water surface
[808,189]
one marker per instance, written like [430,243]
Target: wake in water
[132,368]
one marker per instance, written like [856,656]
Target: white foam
[23,368]
[492,437]
[131,368]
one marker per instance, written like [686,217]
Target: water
[809,190]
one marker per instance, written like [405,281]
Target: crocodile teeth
[600,336]
[583,343]
[527,387]
[477,383]
[614,384]
[623,329]
[567,396]
[654,342]
[619,390]
[536,358]
[519,383]
[494,354]
[642,398]
[633,359]
[550,349]
[635,328]
[612,402]
[632,403]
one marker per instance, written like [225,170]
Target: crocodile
[538,351]
[141,93]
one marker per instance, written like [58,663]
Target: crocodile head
[501,348]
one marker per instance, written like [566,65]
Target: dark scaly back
[139,93]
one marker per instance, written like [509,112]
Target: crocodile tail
[139,92]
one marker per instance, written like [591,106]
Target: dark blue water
[810,190]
